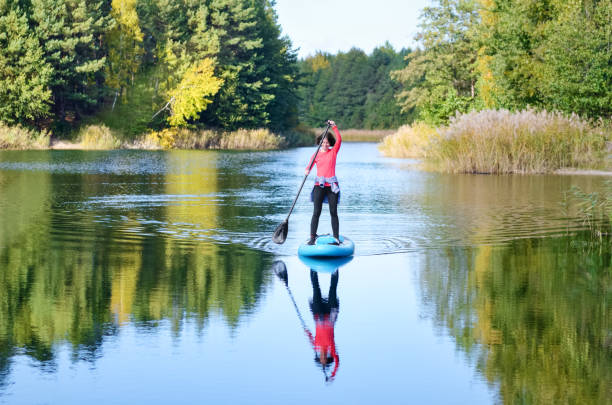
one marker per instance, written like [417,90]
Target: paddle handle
[309,169]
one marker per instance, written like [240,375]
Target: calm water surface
[147,277]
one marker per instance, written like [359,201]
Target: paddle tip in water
[280,233]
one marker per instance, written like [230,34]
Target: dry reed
[499,141]
[98,137]
[409,141]
[242,139]
[18,137]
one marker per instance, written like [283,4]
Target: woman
[326,187]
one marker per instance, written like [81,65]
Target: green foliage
[512,54]
[119,61]
[439,79]
[67,31]
[24,73]
[578,59]
[353,88]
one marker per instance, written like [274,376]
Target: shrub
[242,139]
[98,137]
[409,141]
[257,139]
[18,137]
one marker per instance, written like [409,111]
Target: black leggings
[318,193]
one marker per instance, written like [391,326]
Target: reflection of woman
[325,313]
[326,187]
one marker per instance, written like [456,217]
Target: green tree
[24,74]
[577,57]
[70,32]
[354,88]
[381,108]
[440,78]
[512,67]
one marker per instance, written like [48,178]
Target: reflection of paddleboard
[325,264]
[324,247]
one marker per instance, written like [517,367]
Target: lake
[150,277]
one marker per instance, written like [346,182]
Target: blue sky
[339,25]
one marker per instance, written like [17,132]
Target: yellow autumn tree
[194,92]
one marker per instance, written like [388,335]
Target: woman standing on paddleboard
[326,188]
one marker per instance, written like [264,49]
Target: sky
[339,25]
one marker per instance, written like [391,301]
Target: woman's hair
[330,139]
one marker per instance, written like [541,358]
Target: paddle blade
[280,270]
[280,233]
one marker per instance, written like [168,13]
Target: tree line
[219,62]
[553,55]
[354,88]
[225,64]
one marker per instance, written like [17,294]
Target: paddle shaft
[309,169]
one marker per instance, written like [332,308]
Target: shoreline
[67,145]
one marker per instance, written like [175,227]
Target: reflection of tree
[533,314]
[68,277]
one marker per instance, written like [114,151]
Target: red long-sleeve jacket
[326,162]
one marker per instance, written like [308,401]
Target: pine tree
[24,74]
[71,33]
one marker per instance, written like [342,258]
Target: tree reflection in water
[533,315]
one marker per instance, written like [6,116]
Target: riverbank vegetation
[100,137]
[511,87]
[140,67]
[501,142]
[18,137]
[136,65]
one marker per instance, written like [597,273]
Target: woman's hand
[306,172]
[331,123]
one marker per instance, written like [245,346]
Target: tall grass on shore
[409,141]
[242,139]
[499,141]
[98,137]
[21,138]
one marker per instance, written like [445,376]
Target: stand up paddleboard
[324,247]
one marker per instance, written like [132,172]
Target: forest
[141,65]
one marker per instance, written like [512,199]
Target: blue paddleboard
[324,247]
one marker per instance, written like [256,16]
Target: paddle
[280,233]
[280,270]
